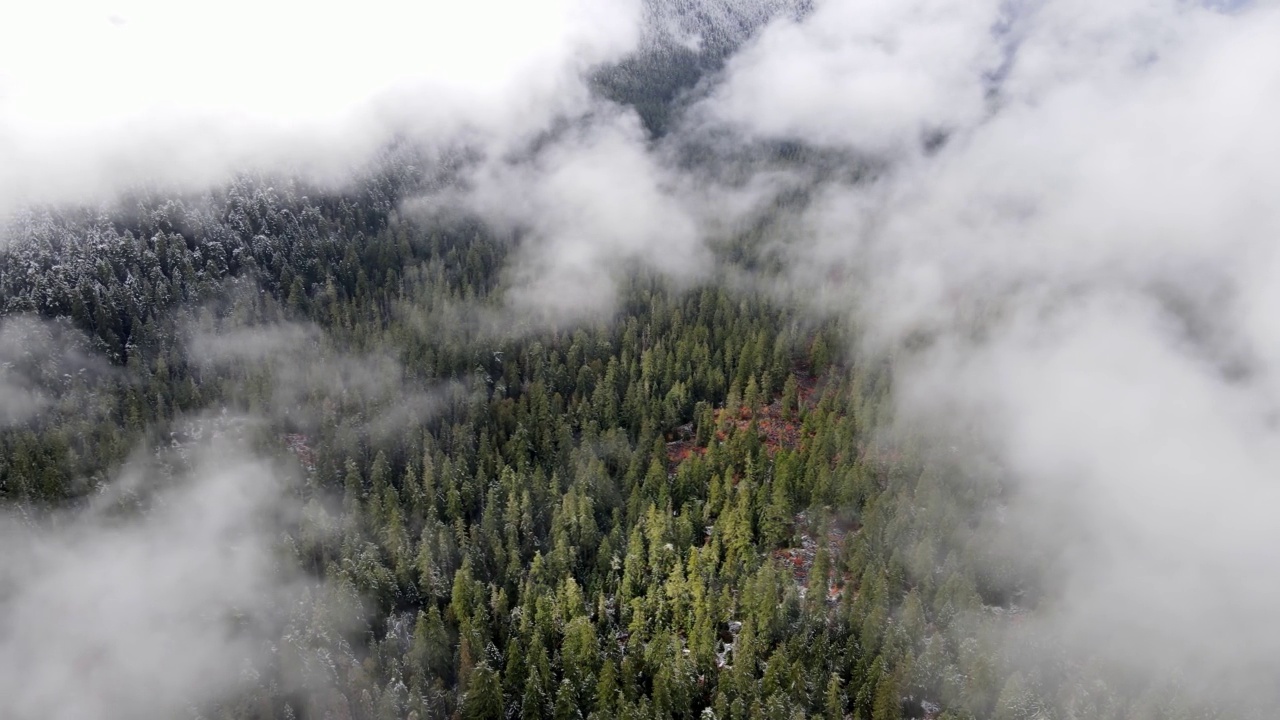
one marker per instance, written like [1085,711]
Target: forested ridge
[688,509]
[646,359]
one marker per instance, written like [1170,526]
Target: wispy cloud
[111,614]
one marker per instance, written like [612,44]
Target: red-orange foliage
[776,431]
[300,445]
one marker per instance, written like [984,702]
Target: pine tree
[835,698]
[483,700]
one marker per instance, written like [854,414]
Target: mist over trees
[691,360]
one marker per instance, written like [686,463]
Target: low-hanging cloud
[1090,254]
[106,613]
[588,203]
[41,363]
[1068,218]
[877,75]
[311,382]
[100,94]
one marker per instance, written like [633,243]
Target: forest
[685,510]
[640,359]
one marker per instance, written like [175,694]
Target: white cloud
[589,202]
[1096,262]
[1092,248]
[876,75]
[1099,214]
[99,93]
[110,616]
